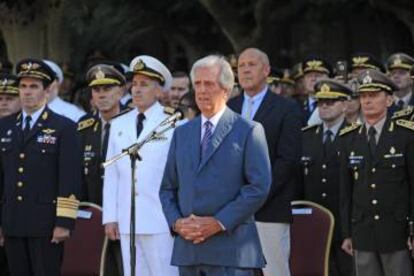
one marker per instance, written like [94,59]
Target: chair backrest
[84,252]
[311,236]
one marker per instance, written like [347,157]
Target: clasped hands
[197,229]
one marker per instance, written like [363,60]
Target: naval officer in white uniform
[153,237]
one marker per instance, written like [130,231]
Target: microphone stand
[133,152]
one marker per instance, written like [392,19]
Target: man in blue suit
[216,177]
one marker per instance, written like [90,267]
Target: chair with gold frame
[85,251]
[311,237]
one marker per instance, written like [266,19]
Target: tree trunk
[40,34]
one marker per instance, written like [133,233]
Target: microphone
[176,114]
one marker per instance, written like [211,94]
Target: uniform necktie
[26,129]
[206,138]
[140,123]
[105,140]
[327,145]
[371,140]
[249,110]
[400,105]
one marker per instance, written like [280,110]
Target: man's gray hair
[226,76]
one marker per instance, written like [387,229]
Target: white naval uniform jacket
[149,218]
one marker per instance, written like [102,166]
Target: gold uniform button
[374,202]
[373,186]
[323,166]
[19,184]
[21,170]
[22,155]
[19,198]
[376,217]
[373,170]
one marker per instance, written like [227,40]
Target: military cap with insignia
[35,68]
[5,66]
[297,71]
[400,61]
[375,81]
[153,68]
[275,76]
[330,89]
[287,77]
[316,64]
[9,84]
[103,74]
[365,61]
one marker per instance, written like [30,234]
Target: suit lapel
[266,104]
[195,142]
[237,104]
[18,128]
[223,128]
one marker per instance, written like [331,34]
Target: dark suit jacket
[36,173]
[376,193]
[281,119]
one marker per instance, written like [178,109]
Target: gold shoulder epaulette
[349,128]
[85,123]
[308,127]
[405,124]
[125,111]
[402,113]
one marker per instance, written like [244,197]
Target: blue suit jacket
[231,182]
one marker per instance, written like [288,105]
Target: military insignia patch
[99,74]
[139,66]
[45,115]
[402,113]
[405,124]
[349,128]
[48,131]
[85,123]
[360,60]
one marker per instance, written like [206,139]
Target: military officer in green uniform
[106,84]
[377,183]
[320,164]
[399,69]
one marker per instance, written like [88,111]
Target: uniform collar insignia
[45,115]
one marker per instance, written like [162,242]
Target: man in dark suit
[216,177]
[320,163]
[377,184]
[281,119]
[40,177]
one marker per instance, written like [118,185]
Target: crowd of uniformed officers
[340,136]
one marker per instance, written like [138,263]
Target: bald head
[253,68]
